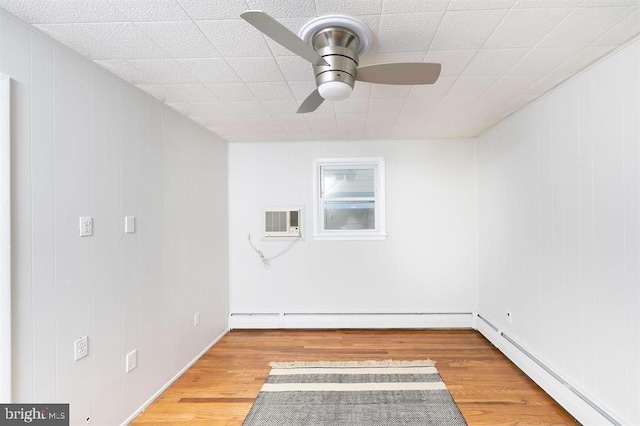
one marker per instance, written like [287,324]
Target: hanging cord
[266,261]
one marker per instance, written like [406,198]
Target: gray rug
[372,393]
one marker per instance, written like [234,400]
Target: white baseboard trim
[585,410]
[304,320]
[173,379]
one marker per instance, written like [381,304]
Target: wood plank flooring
[220,388]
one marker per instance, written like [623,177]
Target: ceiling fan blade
[313,101]
[399,73]
[282,35]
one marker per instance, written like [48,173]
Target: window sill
[351,237]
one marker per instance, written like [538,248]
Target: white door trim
[5,240]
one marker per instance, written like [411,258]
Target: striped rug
[384,393]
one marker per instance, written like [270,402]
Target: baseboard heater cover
[579,405]
[266,320]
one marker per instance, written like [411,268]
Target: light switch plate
[129,224]
[132,360]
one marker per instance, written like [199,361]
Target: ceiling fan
[333,44]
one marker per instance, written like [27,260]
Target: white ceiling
[201,59]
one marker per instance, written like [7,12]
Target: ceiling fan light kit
[333,44]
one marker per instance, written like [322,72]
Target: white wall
[559,230]
[428,263]
[86,144]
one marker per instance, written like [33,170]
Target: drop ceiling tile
[349,7]
[294,68]
[273,91]
[280,107]
[439,88]
[327,107]
[284,9]
[477,24]
[480,4]
[494,61]
[413,6]
[150,10]
[352,105]
[623,31]
[380,132]
[382,58]
[252,70]
[389,91]
[178,92]
[159,71]
[324,128]
[63,11]
[203,10]
[385,105]
[201,108]
[512,85]
[291,119]
[582,59]
[235,38]
[302,89]
[525,27]
[485,107]
[180,39]
[361,90]
[584,25]
[445,116]
[456,103]
[382,118]
[320,119]
[109,40]
[119,67]
[407,32]
[471,85]
[453,61]
[231,92]
[351,119]
[420,107]
[210,70]
[246,108]
[542,61]
[532,4]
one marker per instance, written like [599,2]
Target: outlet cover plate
[81,348]
[86,226]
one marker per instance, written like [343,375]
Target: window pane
[349,215]
[348,183]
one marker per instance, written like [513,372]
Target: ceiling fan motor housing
[338,47]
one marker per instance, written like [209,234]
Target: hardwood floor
[220,388]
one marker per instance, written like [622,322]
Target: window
[349,197]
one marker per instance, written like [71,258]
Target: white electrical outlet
[81,348]
[509,316]
[196,319]
[86,226]
[132,360]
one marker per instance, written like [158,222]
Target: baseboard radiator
[266,320]
[584,409]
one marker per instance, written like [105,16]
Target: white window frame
[5,240]
[379,231]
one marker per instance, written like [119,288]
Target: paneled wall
[86,144]
[427,264]
[559,230]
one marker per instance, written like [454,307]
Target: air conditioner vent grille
[276,221]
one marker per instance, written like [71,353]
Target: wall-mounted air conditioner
[282,223]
